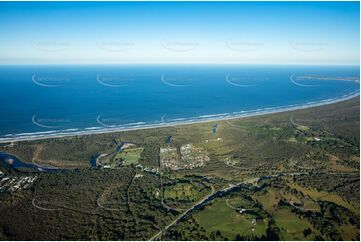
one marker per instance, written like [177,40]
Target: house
[254,221]
[241,210]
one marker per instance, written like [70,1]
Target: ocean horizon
[55,100]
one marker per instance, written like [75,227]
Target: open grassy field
[291,227]
[327,196]
[314,193]
[220,217]
[130,156]
[181,191]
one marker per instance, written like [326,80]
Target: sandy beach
[201,119]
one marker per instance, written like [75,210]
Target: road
[162,200]
[213,193]
[201,202]
[168,207]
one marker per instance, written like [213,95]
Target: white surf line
[44,209]
[299,84]
[185,122]
[162,78]
[236,84]
[33,78]
[109,85]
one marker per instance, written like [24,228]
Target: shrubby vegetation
[315,195]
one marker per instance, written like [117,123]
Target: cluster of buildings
[169,158]
[193,156]
[245,211]
[12,184]
[152,170]
[190,157]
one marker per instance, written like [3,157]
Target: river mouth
[16,164]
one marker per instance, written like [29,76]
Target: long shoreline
[196,120]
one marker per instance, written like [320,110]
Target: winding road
[212,196]
[203,201]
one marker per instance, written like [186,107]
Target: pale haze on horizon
[325,33]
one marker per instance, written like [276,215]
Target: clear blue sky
[180,32]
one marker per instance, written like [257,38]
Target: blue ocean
[52,99]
